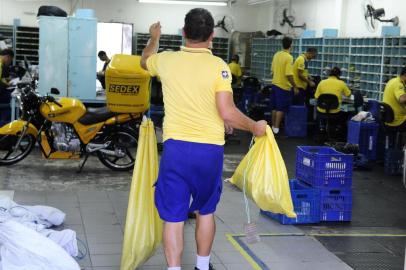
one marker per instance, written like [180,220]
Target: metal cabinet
[82,58]
[53,55]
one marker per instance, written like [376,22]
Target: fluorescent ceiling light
[181,2]
[257,2]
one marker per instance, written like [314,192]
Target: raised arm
[152,46]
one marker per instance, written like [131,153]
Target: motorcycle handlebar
[58,104]
[52,99]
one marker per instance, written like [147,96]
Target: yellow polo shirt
[300,65]
[235,69]
[334,86]
[281,68]
[394,89]
[190,80]
[2,80]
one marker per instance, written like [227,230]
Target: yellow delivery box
[127,85]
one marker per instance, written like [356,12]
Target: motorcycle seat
[96,115]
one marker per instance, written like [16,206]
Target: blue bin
[365,135]
[321,166]
[374,108]
[296,122]
[306,202]
[393,164]
[335,204]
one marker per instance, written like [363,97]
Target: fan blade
[395,21]
[224,28]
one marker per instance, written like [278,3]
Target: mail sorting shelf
[367,63]
[27,44]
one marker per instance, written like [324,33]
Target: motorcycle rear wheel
[125,141]
[10,153]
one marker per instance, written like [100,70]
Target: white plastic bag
[22,248]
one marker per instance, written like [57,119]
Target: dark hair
[8,52]
[287,42]
[403,71]
[101,53]
[199,25]
[235,58]
[312,50]
[335,71]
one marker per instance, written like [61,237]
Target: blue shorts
[281,99]
[188,170]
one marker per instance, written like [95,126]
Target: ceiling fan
[372,16]
[289,19]
[225,24]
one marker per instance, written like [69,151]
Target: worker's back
[333,86]
[393,90]
[190,79]
[281,68]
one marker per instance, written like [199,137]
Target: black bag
[51,11]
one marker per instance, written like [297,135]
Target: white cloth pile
[23,227]
[363,117]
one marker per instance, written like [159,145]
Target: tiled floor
[98,218]
[96,201]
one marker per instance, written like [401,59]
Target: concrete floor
[96,200]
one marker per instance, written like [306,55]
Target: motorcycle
[66,129]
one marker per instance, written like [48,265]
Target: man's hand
[152,45]
[296,90]
[259,128]
[155,31]
[312,84]
[229,129]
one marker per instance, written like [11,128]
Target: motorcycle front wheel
[14,148]
[120,154]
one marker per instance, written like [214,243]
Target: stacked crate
[322,191]
[330,172]
[365,135]
[296,122]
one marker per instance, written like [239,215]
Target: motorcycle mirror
[54,91]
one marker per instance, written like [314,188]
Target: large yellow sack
[143,227]
[267,181]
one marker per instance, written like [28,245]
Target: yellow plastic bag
[143,227]
[267,180]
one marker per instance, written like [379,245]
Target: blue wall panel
[82,58]
[53,54]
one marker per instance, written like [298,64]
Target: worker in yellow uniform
[335,86]
[301,75]
[282,83]
[6,58]
[199,107]
[235,69]
[395,96]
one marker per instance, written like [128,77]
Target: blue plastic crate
[306,203]
[335,204]
[322,166]
[365,135]
[296,122]
[374,108]
[393,164]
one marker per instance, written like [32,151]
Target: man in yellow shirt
[301,75]
[335,86]
[282,83]
[198,104]
[235,69]
[395,96]
[6,58]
